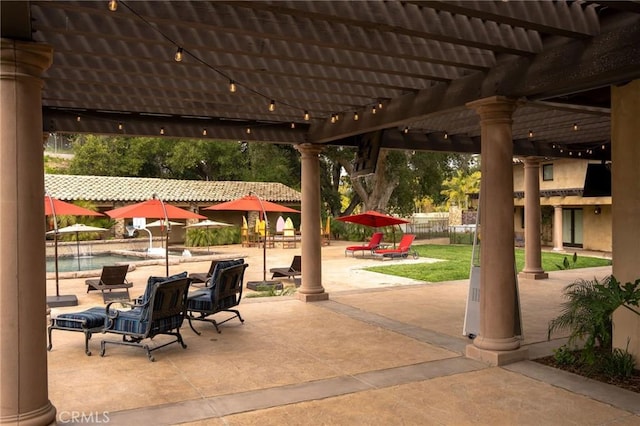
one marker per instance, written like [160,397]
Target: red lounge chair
[403,250]
[374,242]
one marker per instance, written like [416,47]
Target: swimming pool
[87,263]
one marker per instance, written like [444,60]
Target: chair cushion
[154,280]
[93,318]
[219,267]
[200,301]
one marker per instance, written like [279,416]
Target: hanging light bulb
[120,126]
[204,132]
[113,5]
[337,117]
[248,130]
[446,135]
[530,133]
[379,104]
[293,125]
[272,105]
[162,130]
[232,86]
[406,130]
[356,117]
[333,118]
[178,56]
[306,115]
[575,126]
[78,118]
[373,109]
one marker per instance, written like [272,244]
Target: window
[547,172]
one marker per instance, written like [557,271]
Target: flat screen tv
[597,181]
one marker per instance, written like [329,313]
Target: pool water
[70,263]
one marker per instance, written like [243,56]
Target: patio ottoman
[88,322]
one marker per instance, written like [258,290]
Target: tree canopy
[403,183]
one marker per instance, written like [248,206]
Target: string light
[356,117]
[293,125]
[204,132]
[78,118]
[248,130]
[120,126]
[178,56]
[162,130]
[272,105]
[446,135]
[379,104]
[575,126]
[373,109]
[113,5]
[333,118]
[530,133]
[406,129]
[306,115]
[232,86]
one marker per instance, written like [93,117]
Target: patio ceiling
[417,62]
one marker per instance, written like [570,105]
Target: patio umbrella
[155,208]
[77,229]
[253,203]
[54,207]
[206,224]
[162,223]
[374,219]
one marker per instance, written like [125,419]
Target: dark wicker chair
[224,293]
[162,313]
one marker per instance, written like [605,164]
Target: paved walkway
[382,351]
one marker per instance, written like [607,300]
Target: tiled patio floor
[382,351]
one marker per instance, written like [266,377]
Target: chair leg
[191,325]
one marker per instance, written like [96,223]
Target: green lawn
[457,260]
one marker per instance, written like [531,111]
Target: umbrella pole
[55,251]
[78,250]
[166,251]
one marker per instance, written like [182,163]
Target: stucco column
[23,352]
[311,289]
[557,228]
[497,256]
[532,216]
[625,209]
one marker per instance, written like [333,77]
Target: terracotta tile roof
[130,189]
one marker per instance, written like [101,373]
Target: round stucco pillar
[23,351]
[557,228]
[532,216]
[497,256]
[311,288]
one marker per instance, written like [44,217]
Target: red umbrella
[253,203]
[375,220]
[155,208]
[54,207]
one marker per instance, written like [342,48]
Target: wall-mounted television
[367,155]
[597,181]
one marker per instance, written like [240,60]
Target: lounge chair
[87,322]
[402,251]
[374,242]
[112,278]
[162,313]
[224,293]
[204,277]
[293,271]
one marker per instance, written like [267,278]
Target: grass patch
[456,262]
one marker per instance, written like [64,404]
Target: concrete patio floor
[382,350]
